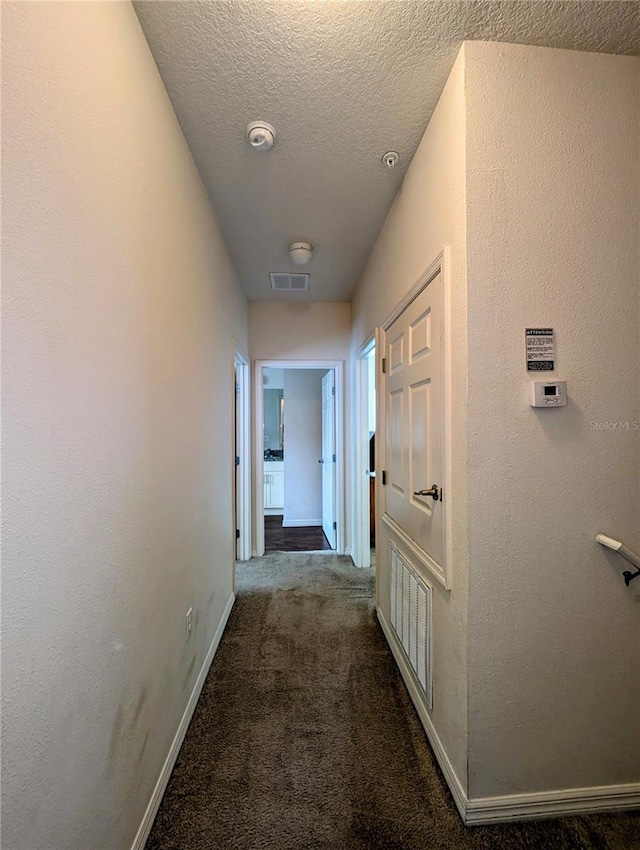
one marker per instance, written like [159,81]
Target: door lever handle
[433,491]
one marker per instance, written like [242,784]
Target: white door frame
[258,445]
[361,548]
[329,428]
[242,472]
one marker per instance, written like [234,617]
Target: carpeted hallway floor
[305,738]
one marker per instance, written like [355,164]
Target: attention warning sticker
[541,349]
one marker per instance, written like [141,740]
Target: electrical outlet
[189,622]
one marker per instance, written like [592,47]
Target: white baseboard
[546,804]
[301,523]
[510,807]
[158,792]
[420,703]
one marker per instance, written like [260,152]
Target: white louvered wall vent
[289,282]
[412,620]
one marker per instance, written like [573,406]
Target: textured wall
[119,304]
[553,188]
[303,444]
[305,331]
[427,214]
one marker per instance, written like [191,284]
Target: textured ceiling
[343,81]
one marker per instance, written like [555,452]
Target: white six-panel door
[414,421]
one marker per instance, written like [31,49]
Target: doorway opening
[242,456]
[299,459]
[365,456]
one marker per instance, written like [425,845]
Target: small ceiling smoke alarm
[262,136]
[301,253]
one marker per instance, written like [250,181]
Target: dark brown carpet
[305,737]
[280,539]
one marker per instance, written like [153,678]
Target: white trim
[258,448]
[447,396]
[361,481]
[379,451]
[301,523]
[544,804]
[417,553]
[423,281]
[418,699]
[243,471]
[510,807]
[161,785]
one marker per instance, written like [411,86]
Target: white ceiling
[343,81]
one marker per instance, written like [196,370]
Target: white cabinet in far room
[274,485]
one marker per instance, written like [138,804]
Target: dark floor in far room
[279,539]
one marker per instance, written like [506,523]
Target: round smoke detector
[262,136]
[301,253]
[390,158]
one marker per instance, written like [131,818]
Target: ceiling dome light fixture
[301,253]
[262,136]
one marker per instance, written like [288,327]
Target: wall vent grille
[412,619]
[289,282]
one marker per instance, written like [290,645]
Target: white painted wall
[427,214]
[119,306]
[553,213]
[305,331]
[303,445]
[273,379]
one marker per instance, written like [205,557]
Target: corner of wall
[552,229]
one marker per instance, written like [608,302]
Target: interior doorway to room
[365,456]
[299,459]
[242,457]
[328,457]
[298,456]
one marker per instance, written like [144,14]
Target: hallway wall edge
[165,774]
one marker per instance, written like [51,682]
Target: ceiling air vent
[289,282]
